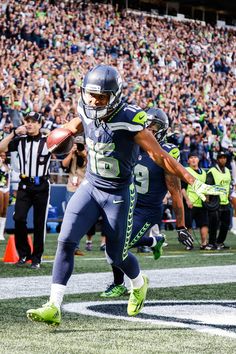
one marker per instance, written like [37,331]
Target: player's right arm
[74,125]
[148,143]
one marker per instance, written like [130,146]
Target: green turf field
[189,325]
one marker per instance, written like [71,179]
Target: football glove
[202,189]
[185,237]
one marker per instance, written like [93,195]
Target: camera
[80,146]
[80,143]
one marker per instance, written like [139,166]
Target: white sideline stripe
[82,259]
[174,256]
[34,286]
[219,254]
[93,259]
[204,255]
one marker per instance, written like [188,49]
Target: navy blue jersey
[150,178]
[112,152]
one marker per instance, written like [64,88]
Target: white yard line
[19,287]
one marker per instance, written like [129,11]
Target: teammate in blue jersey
[152,184]
[114,131]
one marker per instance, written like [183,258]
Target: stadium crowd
[183,67]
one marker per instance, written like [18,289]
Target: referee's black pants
[36,196]
[220,218]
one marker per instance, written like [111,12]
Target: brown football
[60,141]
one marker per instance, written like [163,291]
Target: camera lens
[80,147]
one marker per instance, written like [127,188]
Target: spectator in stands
[201,77]
[226,140]
[198,147]
[185,151]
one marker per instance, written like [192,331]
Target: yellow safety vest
[193,197]
[222,179]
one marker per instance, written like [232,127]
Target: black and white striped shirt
[34,157]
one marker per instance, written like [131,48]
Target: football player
[152,184]
[114,131]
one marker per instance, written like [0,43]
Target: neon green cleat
[157,249]
[114,291]
[137,298]
[48,313]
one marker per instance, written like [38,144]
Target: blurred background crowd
[182,67]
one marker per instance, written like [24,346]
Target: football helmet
[102,79]
[156,117]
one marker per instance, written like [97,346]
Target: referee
[34,186]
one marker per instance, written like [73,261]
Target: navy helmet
[156,117]
[102,79]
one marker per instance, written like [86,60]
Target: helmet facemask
[99,112]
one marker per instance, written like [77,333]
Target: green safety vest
[193,197]
[222,179]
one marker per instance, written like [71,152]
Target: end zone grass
[86,334]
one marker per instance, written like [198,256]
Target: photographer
[75,163]
[33,191]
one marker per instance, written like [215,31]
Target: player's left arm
[148,143]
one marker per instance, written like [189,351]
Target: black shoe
[222,246]
[188,248]
[35,266]
[21,262]
[211,247]
[203,247]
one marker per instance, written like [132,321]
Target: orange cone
[11,254]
